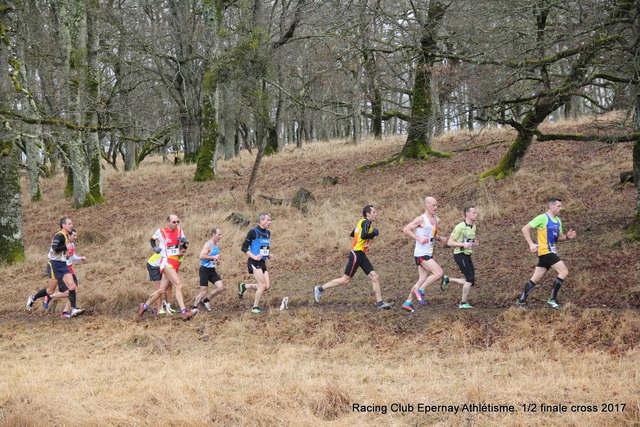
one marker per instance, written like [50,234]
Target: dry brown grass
[308,369]
[309,365]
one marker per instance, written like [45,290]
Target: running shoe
[30,302]
[65,314]
[521,304]
[188,315]
[420,296]
[317,293]
[167,307]
[194,310]
[444,282]
[162,311]
[207,305]
[76,311]
[285,304]
[257,310]
[383,305]
[242,287]
[553,303]
[408,307]
[142,309]
[45,301]
[465,305]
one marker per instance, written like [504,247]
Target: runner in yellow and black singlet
[363,234]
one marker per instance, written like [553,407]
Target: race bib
[264,251]
[553,248]
[173,251]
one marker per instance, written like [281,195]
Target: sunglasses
[176,222]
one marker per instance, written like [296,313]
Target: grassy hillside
[309,365]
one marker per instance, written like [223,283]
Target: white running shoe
[30,302]
[285,304]
[207,305]
[167,308]
[76,312]
[317,293]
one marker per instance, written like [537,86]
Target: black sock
[41,293]
[321,289]
[205,300]
[528,287]
[556,287]
[72,299]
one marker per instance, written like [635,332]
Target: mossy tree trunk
[272,140]
[11,246]
[206,155]
[418,144]
[512,159]
[92,88]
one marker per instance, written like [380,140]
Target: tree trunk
[635,227]
[92,88]
[25,92]
[510,162]
[207,152]
[228,114]
[33,168]
[256,165]
[75,42]
[11,247]
[418,144]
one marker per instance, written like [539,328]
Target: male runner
[463,239]
[362,234]
[257,248]
[424,230]
[57,269]
[63,291]
[167,242]
[209,261]
[549,230]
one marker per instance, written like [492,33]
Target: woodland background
[100,80]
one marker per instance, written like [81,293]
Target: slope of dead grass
[309,366]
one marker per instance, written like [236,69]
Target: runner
[549,231]
[163,305]
[169,242]
[362,235]
[209,261]
[424,230]
[57,269]
[63,291]
[257,248]
[463,239]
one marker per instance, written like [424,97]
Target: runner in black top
[257,248]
